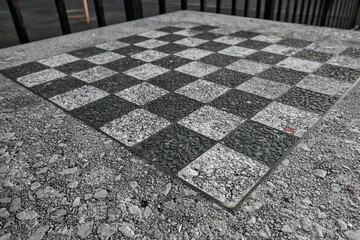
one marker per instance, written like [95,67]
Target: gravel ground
[62,180]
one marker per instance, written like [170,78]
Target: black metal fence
[332,13]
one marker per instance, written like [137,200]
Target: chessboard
[215,107]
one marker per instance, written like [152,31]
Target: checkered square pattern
[218,107]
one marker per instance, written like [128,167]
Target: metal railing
[332,13]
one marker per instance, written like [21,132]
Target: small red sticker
[290,130]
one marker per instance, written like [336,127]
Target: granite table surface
[213,105]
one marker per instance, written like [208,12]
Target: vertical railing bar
[246,8]
[339,14]
[294,11]
[314,12]
[325,12]
[279,10]
[320,11]
[233,7]
[218,6]
[133,9]
[203,5]
[357,15]
[258,8]
[301,11]
[343,19]
[183,4]
[328,17]
[307,11]
[18,21]
[100,15]
[269,9]
[287,11]
[63,18]
[162,7]
[335,13]
[352,14]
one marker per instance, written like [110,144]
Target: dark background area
[41,20]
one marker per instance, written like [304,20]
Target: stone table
[145,128]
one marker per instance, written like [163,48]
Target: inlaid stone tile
[146,71]
[265,88]
[153,34]
[169,29]
[281,49]
[283,75]
[337,72]
[172,80]
[228,77]
[218,59]
[193,53]
[76,66]
[326,47]
[308,100]
[172,106]
[171,38]
[204,28]
[103,58]
[151,43]
[213,46]
[129,50]
[237,51]
[171,62]
[197,69]
[104,110]
[224,31]
[171,48]
[267,38]
[188,32]
[297,43]
[313,55]
[211,122]
[123,64]
[345,61]
[141,93]
[253,44]
[299,64]
[58,60]
[94,74]
[224,174]
[133,39]
[287,118]
[244,34]
[149,55]
[116,83]
[260,142]
[135,127]
[185,25]
[266,57]
[78,97]
[86,52]
[40,77]
[325,85]
[208,35]
[58,86]
[202,91]
[240,103]
[230,40]
[248,67]
[352,52]
[174,147]
[24,69]
[191,41]
[112,45]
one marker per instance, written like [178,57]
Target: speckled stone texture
[177,94]
[210,173]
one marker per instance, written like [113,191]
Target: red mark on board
[290,130]
[351,189]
